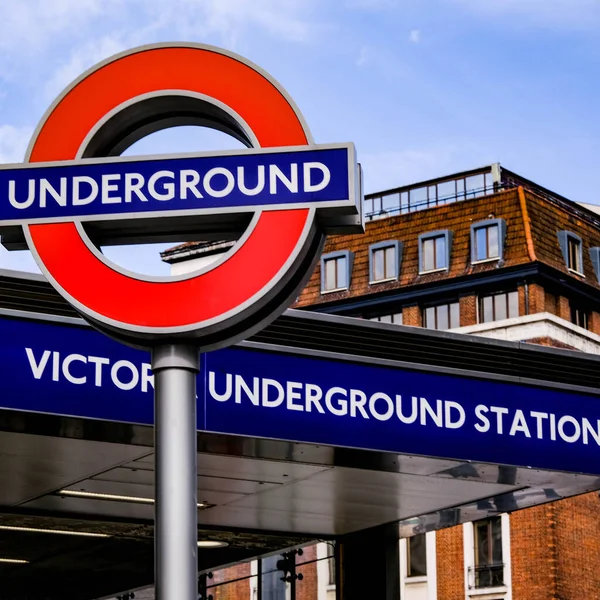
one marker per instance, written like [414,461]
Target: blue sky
[422,87]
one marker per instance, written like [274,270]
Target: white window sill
[576,273]
[330,587]
[334,291]
[433,271]
[415,580]
[486,260]
[501,589]
[383,280]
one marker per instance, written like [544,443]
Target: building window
[595,256]
[442,316]
[498,307]
[571,246]
[384,261]
[416,556]
[489,569]
[487,240]
[336,268]
[434,251]
[395,318]
[579,316]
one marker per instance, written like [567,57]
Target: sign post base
[175,368]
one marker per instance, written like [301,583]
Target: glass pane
[487,309]
[440,252]
[481,243]
[460,188]
[427,254]
[500,306]
[475,185]
[418,198]
[446,190]
[233,582]
[342,278]
[432,194]
[404,202]
[454,315]
[430,317]
[493,242]
[482,556]
[390,262]
[378,266]
[368,206]
[385,318]
[272,586]
[496,541]
[513,304]
[330,279]
[417,556]
[442,317]
[390,203]
[397,318]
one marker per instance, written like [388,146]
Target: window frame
[448,306]
[501,224]
[488,523]
[563,239]
[397,246]
[409,576]
[349,258]
[595,258]
[447,234]
[480,309]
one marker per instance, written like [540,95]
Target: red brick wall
[239,590]
[537,299]
[411,315]
[450,564]
[533,554]
[577,535]
[564,309]
[307,588]
[468,310]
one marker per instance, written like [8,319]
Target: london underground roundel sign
[277,199]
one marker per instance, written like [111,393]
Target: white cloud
[363,57]
[414,36]
[13,143]
[80,60]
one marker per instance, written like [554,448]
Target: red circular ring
[114,297]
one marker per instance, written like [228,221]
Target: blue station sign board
[100,189]
[74,371]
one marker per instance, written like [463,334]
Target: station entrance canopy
[315,428]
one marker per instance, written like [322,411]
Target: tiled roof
[532,223]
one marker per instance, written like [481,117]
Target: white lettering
[78,200]
[260,186]
[561,429]
[519,424]
[414,412]
[47,188]
[499,410]
[313,396]
[539,417]
[315,187]
[97,361]
[134,182]
[188,180]
[37,368]
[449,405]
[252,394]
[212,388]
[437,415]
[274,402]
[373,403]
[275,173]
[358,400]
[108,186]
[292,395]
[342,408]
[114,375]
[169,187]
[228,187]
[484,426]
[21,203]
[65,368]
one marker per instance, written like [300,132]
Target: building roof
[532,223]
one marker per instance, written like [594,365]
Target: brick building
[489,253]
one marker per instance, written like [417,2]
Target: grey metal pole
[175,368]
